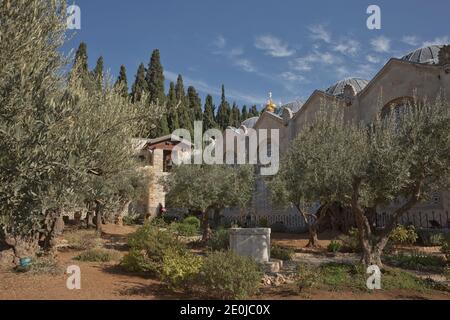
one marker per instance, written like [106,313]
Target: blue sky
[255,46]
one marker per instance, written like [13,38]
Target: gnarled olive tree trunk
[313,241]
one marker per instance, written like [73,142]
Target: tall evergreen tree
[81,58]
[172,108]
[253,112]
[155,79]
[98,73]
[140,85]
[194,104]
[244,115]
[208,114]
[235,116]
[223,113]
[122,81]
[184,117]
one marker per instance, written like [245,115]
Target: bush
[263,223]
[428,237]
[334,246]
[98,255]
[147,247]
[220,240]
[45,265]
[351,242]
[131,219]
[188,227]
[281,253]
[83,239]
[179,268]
[403,235]
[191,220]
[226,275]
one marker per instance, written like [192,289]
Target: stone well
[251,242]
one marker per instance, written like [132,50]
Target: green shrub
[226,275]
[334,246]
[429,237]
[97,255]
[281,253]
[147,247]
[179,268]
[192,221]
[263,223]
[158,222]
[351,242]
[131,219]
[445,249]
[416,261]
[220,240]
[45,265]
[403,235]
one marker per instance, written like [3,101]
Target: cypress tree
[194,104]
[253,112]
[235,115]
[81,58]
[184,117]
[223,113]
[122,81]
[155,79]
[98,73]
[208,114]
[244,115]
[140,85]
[172,112]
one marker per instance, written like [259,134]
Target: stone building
[423,73]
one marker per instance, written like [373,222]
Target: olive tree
[208,188]
[402,156]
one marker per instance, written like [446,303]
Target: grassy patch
[83,239]
[417,261]
[42,265]
[281,253]
[343,277]
[98,255]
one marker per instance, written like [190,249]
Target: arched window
[397,107]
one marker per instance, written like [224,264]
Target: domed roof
[295,106]
[250,122]
[337,89]
[427,55]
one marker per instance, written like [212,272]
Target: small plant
[226,275]
[131,219]
[220,240]
[403,235]
[189,227]
[83,239]
[334,246]
[45,265]
[281,253]
[98,255]
[179,268]
[307,277]
[137,262]
[191,220]
[428,237]
[263,223]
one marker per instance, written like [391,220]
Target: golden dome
[271,106]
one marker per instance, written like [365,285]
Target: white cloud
[437,40]
[373,59]
[245,64]
[208,89]
[219,42]
[234,55]
[318,32]
[381,44]
[347,47]
[316,57]
[273,46]
[290,76]
[411,40]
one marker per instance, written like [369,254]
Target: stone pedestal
[252,242]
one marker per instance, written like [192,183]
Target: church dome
[295,106]
[250,122]
[427,55]
[337,89]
